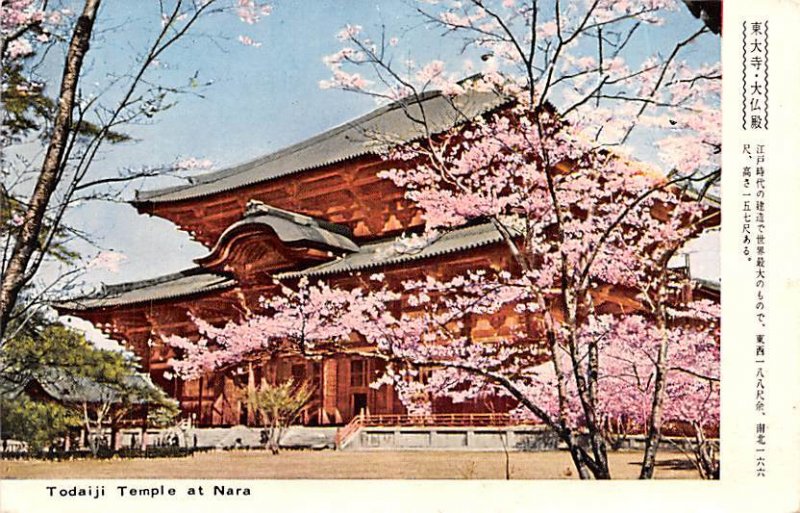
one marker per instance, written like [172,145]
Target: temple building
[111,406]
[316,209]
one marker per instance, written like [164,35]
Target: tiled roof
[181,284]
[66,387]
[392,252]
[368,256]
[69,388]
[290,228]
[369,134]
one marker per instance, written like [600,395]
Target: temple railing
[344,434]
[444,420]
[362,420]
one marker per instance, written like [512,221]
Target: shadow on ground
[670,464]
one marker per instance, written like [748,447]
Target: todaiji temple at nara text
[316,209]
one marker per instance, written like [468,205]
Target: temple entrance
[359,404]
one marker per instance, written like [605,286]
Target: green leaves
[27,108]
[12,212]
[55,346]
[87,129]
[38,423]
[65,374]
[279,404]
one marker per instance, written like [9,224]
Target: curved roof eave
[287,232]
[183,284]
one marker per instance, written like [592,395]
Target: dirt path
[343,465]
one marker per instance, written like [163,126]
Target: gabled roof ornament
[255,208]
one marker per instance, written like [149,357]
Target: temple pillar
[251,387]
[200,401]
[329,386]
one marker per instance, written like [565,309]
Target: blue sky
[261,99]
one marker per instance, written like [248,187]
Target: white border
[738,489]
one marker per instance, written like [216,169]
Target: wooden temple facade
[315,209]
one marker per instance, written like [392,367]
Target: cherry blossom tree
[319,320]
[616,344]
[72,128]
[562,65]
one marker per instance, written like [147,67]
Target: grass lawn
[343,465]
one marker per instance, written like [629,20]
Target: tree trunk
[705,454]
[578,459]
[28,237]
[582,465]
[114,434]
[596,437]
[273,436]
[654,422]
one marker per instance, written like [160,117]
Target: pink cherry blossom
[247,41]
[108,261]
[590,227]
[193,163]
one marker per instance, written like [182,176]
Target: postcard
[381,255]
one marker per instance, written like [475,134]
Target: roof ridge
[368,256]
[294,147]
[140,284]
[256,208]
[429,250]
[106,291]
[282,162]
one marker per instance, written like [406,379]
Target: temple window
[298,372]
[358,373]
